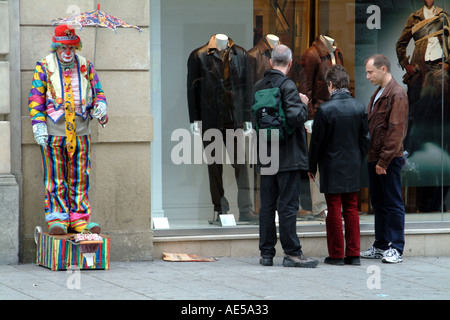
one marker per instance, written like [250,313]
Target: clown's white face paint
[66,54]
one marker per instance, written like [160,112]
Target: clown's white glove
[40,133]
[99,110]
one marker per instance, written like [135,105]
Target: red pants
[335,235]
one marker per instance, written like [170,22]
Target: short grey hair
[281,55]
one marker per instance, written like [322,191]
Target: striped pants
[66,180]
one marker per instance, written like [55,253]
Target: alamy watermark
[374,21]
[374,280]
[73,282]
[208,148]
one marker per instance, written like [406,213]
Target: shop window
[191,191]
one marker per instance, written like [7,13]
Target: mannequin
[330,41]
[273,40]
[219,98]
[309,71]
[222,44]
[309,74]
[221,41]
[259,56]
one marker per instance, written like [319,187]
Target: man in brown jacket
[388,114]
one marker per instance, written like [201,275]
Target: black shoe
[299,262]
[266,261]
[334,261]
[354,261]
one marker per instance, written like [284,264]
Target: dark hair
[380,60]
[281,55]
[337,76]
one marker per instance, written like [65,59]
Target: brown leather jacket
[259,59]
[388,122]
[218,86]
[420,48]
[309,74]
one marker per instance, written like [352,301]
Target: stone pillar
[9,189]
[9,217]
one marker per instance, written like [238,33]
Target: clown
[65,96]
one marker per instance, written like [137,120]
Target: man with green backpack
[279,114]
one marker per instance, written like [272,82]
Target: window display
[219,97]
[211,55]
[426,76]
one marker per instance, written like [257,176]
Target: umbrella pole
[95,53]
[95,44]
[95,40]
[95,56]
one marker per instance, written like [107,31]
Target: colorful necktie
[69,106]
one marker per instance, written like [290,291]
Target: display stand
[60,252]
[223,220]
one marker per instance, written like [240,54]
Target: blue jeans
[279,192]
[386,198]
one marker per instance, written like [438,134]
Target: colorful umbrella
[95,18]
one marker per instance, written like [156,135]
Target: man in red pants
[339,143]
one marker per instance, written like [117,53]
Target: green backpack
[268,112]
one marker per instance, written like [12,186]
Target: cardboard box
[58,252]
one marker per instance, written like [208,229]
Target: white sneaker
[372,253]
[392,256]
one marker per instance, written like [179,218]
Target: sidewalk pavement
[416,278]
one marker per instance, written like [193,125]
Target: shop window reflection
[253,24]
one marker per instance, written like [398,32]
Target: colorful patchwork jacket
[46,98]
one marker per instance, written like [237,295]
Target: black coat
[218,86]
[339,143]
[293,154]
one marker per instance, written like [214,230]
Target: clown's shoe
[57,227]
[78,225]
[81,225]
[93,227]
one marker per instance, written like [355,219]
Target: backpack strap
[279,81]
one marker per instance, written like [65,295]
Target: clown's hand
[103,121]
[40,133]
[99,110]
